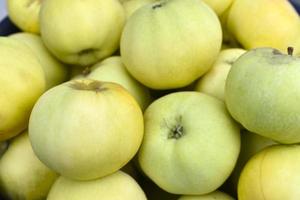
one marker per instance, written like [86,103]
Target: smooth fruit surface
[169,44]
[263,93]
[86,129]
[191,143]
[216,195]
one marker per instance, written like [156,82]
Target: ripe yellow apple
[25,14]
[216,195]
[219,6]
[116,186]
[113,70]
[132,5]
[22,81]
[191,144]
[55,71]
[265,23]
[81,32]
[170,44]
[251,144]
[86,129]
[213,82]
[22,174]
[273,173]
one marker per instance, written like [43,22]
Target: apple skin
[92,31]
[55,71]
[86,129]
[112,70]
[213,82]
[22,82]
[163,52]
[219,6]
[117,186]
[251,144]
[133,5]
[247,17]
[273,173]
[22,174]
[216,195]
[262,93]
[25,14]
[190,144]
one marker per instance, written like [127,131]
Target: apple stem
[290,51]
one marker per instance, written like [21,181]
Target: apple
[86,129]
[251,144]
[216,195]
[170,44]
[22,82]
[213,82]
[262,93]
[112,70]
[132,5]
[190,144]
[273,173]
[55,71]
[82,32]
[22,174]
[25,14]
[219,6]
[117,186]
[252,24]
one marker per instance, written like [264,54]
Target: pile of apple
[147,99]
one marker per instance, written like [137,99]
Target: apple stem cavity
[158,5]
[290,51]
[86,71]
[96,86]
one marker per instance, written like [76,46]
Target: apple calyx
[91,85]
[158,5]
[290,51]
[176,131]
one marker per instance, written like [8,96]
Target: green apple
[82,32]
[132,5]
[252,22]
[95,128]
[213,82]
[117,186]
[170,43]
[22,81]
[262,92]
[219,6]
[55,71]
[25,14]
[191,143]
[251,144]
[272,174]
[22,174]
[216,195]
[113,70]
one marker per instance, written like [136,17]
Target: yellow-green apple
[169,44]
[132,5]
[82,32]
[22,174]
[191,143]
[273,173]
[95,128]
[113,70]
[22,81]
[55,71]
[118,185]
[264,23]
[262,93]
[213,82]
[251,144]
[216,195]
[25,14]
[219,6]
